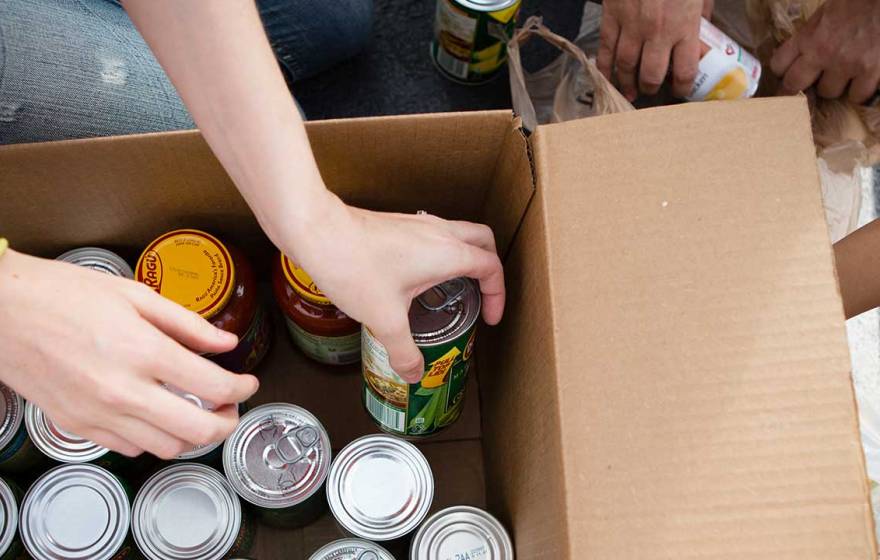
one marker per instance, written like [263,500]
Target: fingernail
[226,335]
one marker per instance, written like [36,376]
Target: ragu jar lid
[300,281]
[445,311]
[56,443]
[191,268]
[11,414]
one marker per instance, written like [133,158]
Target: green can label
[417,409]
[470,46]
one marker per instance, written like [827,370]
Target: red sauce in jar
[196,270]
[319,328]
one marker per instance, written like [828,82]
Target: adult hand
[93,350]
[839,47]
[639,37]
[372,264]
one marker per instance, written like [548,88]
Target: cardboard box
[671,379]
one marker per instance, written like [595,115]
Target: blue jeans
[79,68]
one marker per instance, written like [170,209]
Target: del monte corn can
[470,38]
[443,324]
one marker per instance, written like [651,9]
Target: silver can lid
[461,532]
[351,549]
[199,450]
[75,512]
[380,487]
[11,414]
[98,259]
[487,5]
[186,511]
[444,312]
[56,443]
[278,456]
[8,516]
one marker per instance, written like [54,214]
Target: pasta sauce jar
[317,327]
[196,270]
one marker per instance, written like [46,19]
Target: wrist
[305,212]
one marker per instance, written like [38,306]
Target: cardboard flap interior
[704,392]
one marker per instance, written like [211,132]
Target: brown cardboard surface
[705,403]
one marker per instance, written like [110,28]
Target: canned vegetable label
[189,512]
[461,532]
[726,70]
[443,323]
[76,512]
[351,549]
[470,37]
[278,459]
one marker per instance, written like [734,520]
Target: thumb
[404,356]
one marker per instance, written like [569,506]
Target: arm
[858,269]
[218,57]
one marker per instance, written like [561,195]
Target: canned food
[56,443]
[443,323]
[206,454]
[317,327]
[470,38]
[98,259]
[351,549]
[10,543]
[199,272]
[278,459]
[726,70]
[17,451]
[461,532]
[380,488]
[76,512]
[190,511]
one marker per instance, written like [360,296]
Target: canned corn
[380,488]
[98,259]
[443,323]
[351,549]
[10,543]
[277,459]
[461,532]
[17,451]
[77,512]
[190,512]
[470,38]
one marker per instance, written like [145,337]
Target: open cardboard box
[671,379]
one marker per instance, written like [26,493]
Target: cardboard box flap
[705,403]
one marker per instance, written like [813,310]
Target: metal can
[17,451]
[189,511]
[209,454]
[56,443]
[443,323]
[351,549]
[470,38]
[98,259]
[77,512]
[461,532]
[726,70]
[10,543]
[380,488]
[278,459]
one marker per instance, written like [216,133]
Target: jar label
[335,350]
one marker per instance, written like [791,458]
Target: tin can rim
[40,545]
[14,415]
[486,5]
[104,259]
[386,529]
[9,505]
[443,521]
[51,445]
[472,313]
[147,536]
[232,448]
[324,552]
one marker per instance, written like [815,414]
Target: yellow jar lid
[191,268]
[300,280]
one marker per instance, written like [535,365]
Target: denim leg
[79,68]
